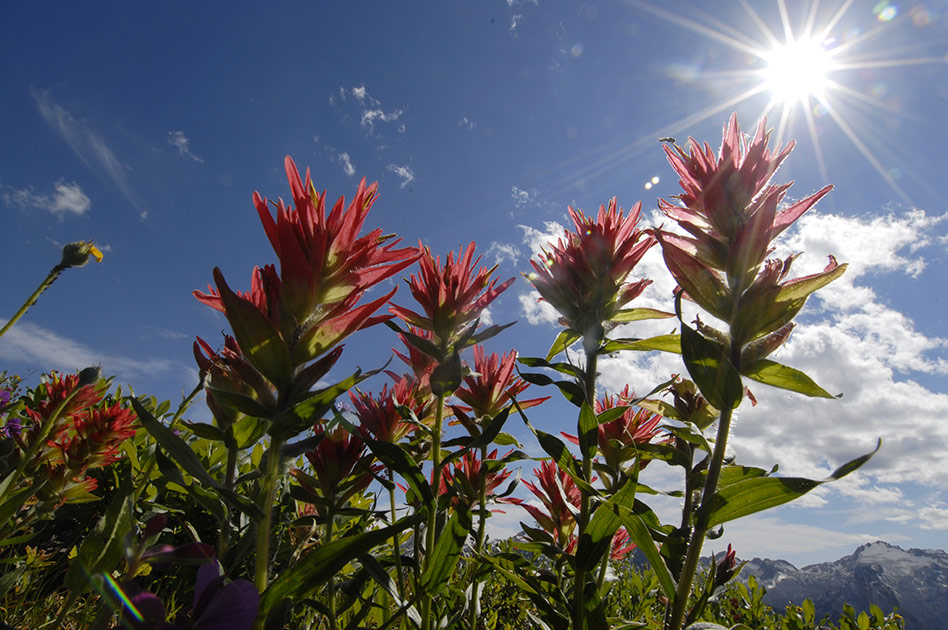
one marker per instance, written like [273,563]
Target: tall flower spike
[730,212]
[312,304]
[561,498]
[490,388]
[618,439]
[378,415]
[452,296]
[584,275]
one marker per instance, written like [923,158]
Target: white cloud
[178,140]
[934,516]
[66,198]
[404,172]
[771,537]
[359,93]
[370,116]
[466,122]
[515,22]
[501,252]
[523,197]
[848,340]
[35,345]
[88,146]
[347,167]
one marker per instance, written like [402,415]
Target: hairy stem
[700,531]
[579,600]
[432,522]
[479,542]
[30,301]
[267,497]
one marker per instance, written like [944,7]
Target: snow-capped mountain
[914,580]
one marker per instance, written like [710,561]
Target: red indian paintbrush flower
[451,295]
[490,388]
[464,480]
[340,467]
[378,415]
[325,268]
[618,439]
[730,211]
[560,496]
[584,275]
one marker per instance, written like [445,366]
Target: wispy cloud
[523,197]
[371,111]
[404,173]
[88,145]
[178,140]
[37,346]
[346,163]
[66,198]
[466,122]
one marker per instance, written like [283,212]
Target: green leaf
[662,343]
[241,402]
[444,559]
[178,449]
[588,431]
[103,548]
[563,341]
[597,538]
[803,287]
[204,430]
[557,450]
[639,534]
[305,413]
[396,458]
[710,367]
[777,375]
[258,339]
[638,314]
[247,431]
[562,367]
[323,562]
[447,375]
[760,493]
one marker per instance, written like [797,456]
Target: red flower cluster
[490,388]
[452,295]
[584,275]
[730,212]
[72,429]
[290,318]
[618,439]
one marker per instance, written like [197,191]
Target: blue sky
[148,126]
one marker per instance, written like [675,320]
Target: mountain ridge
[914,580]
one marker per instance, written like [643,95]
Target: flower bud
[77,254]
[89,376]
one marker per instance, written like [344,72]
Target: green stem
[579,599]
[432,522]
[30,301]
[266,504]
[330,585]
[224,542]
[479,542]
[396,548]
[698,535]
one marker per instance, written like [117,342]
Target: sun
[797,70]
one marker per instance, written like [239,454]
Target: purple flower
[217,605]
